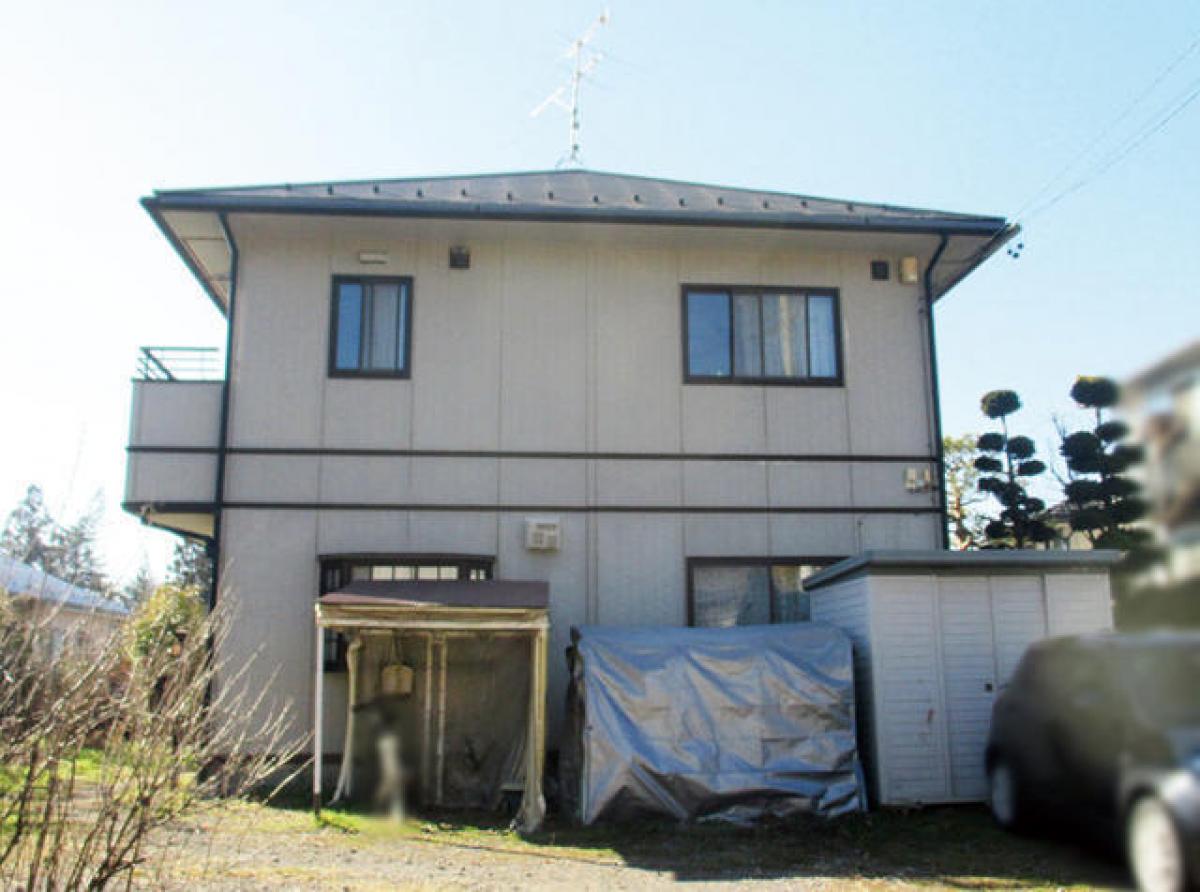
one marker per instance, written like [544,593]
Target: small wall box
[542,533]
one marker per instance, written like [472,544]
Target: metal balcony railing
[179,364]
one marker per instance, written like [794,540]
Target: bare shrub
[99,749]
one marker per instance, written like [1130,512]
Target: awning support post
[533,803]
[318,719]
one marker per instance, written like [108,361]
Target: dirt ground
[247,847]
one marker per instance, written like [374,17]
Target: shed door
[1019,614]
[969,679]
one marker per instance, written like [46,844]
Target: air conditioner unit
[542,533]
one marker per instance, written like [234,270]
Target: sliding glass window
[761,335]
[371,327]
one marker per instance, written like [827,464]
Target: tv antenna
[583,63]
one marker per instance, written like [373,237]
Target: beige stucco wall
[564,339]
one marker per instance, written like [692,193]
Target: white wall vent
[542,533]
[918,479]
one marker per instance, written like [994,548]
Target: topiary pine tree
[1007,464]
[1105,504]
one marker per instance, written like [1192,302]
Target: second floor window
[761,335]
[371,326]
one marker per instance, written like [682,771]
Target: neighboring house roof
[1182,360]
[23,580]
[193,219]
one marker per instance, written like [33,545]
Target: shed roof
[991,560]
[575,195]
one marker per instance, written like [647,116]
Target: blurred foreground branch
[100,748]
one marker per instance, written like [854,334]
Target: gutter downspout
[939,447]
[223,431]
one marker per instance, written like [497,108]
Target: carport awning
[428,604]
[492,594]
[442,610]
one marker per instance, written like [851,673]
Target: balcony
[174,429]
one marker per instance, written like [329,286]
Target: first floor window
[337,572]
[753,335]
[371,326]
[748,592]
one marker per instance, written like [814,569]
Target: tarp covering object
[731,724]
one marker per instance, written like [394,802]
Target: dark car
[1104,730]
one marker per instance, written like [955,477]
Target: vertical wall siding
[567,345]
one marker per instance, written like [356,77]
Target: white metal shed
[936,635]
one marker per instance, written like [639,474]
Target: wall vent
[542,533]
[918,479]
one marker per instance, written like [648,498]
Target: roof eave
[1007,233]
[341,207]
[154,208]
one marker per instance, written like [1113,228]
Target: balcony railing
[179,364]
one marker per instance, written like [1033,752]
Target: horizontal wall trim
[502,453]
[168,508]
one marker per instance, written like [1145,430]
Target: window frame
[694,563]
[837,380]
[408,289]
[335,656]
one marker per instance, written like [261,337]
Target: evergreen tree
[27,533]
[1006,466]
[141,587]
[1104,503]
[72,555]
[65,551]
[191,567]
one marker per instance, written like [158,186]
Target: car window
[1068,678]
[1163,682]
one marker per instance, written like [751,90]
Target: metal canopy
[484,594]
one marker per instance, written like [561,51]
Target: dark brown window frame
[327,564]
[838,380]
[406,282]
[754,561]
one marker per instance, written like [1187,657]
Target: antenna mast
[583,63]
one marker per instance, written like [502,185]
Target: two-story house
[701,394]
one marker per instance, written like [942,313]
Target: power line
[1152,126]
[1103,134]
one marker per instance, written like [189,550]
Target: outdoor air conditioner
[542,533]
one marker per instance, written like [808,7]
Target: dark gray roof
[575,195]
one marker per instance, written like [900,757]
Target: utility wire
[1152,126]
[1104,132]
